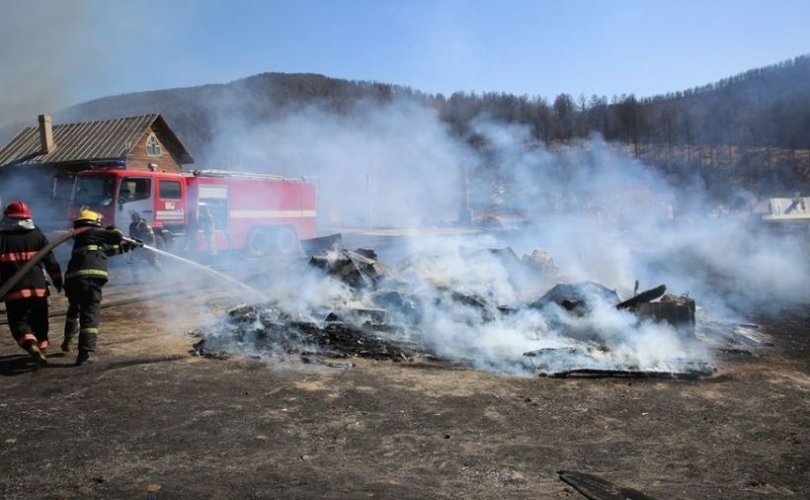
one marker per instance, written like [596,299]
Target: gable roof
[90,141]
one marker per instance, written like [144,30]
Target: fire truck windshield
[93,190]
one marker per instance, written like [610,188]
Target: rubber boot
[85,357]
[36,354]
[65,346]
[71,330]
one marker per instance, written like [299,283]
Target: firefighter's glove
[129,244]
[57,283]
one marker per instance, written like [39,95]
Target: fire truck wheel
[285,240]
[259,241]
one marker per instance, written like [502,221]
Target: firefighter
[27,301]
[206,223]
[86,274]
[140,230]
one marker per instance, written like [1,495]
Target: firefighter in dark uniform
[206,223]
[86,274]
[140,230]
[27,301]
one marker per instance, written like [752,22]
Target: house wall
[138,159]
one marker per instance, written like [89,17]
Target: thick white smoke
[379,165]
[499,337]
[47,47]
[602,215]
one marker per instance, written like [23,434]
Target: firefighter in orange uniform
[27,301]
[86,274]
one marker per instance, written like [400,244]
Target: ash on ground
[474,307]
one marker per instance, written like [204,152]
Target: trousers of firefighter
[201,223]
[139,258]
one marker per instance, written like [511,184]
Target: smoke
[607,217]
[496,332]
[601,214]
[46,47]
[34,187]
[377,165]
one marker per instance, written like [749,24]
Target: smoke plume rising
[601,214]
[47,46]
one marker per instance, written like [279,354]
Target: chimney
[46,134]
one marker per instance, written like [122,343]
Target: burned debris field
[347,391]
[372,310]
[405,250]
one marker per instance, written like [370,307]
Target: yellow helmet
[88,217]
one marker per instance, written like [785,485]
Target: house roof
[90,141]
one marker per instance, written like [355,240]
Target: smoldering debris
[357,269]
[445,308]
[267,329]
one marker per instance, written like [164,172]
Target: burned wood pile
[424,309]
[269,330]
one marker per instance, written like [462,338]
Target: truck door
[169,204]
[134,195]
[214,199]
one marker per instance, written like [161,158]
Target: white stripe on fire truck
[169,214]
[271,214]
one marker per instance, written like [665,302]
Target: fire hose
[172,292]
[22,271]
[5,287]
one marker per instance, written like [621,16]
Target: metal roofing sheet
[96,140]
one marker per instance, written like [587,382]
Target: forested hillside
[752,129]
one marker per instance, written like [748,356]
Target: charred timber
[596,373]
[643,297]
[596,488]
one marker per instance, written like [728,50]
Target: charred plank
[596,488]
[605,373]
[645,296]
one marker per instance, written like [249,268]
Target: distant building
[39,164]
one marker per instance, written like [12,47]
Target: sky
[94,48]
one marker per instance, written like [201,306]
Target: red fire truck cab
[259,213]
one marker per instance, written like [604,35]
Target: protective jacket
[90,251]
[141,230]
[20,241]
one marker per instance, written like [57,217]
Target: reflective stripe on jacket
[19,243]
[26,293]
[90,251]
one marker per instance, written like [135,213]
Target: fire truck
[261,214]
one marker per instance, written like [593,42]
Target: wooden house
[39,164]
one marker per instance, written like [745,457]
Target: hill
[751,126]
[196,112]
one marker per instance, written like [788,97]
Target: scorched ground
[150,420]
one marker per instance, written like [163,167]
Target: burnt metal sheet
[645,296]
[321,245]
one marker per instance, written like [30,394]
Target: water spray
[200,267]
[62,238]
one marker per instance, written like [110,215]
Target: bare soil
[149,420]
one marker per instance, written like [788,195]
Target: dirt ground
[149,420]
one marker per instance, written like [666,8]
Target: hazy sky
[93,48]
